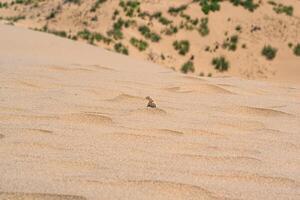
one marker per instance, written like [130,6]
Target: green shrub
[182,46]
[203,28]
[280,8]
[269,52]
[72,1]
[175,10]
[247,4]
[209,5]
[130,7]
[297,50]
[139,44]
[96,5]
[120,48]
[188,67]
[146,32]
[220,63]
[231,43]
[3,5]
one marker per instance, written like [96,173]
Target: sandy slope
[73,125]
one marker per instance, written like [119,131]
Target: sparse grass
[297,50]
[170,30]
[280,8]
[147,33]
[203,28]
[176,10]
[208,6]
[231,43]
[188,67]
[141,45]
[130,7]
[3,5]
[120,48]
[182,46]
[269,52]
[96,5]
[220,63]
[247,4]
[72,1]
[92,36]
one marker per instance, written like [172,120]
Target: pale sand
[74,125]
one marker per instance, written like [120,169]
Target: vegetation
[182,46]
[209,5]
[120,48]
[247,4]
[146,32]
[188,67]
[231,43]
[93,36]
[139,44]
[3,5]
[72,1]
[96,5]
[269,52]
[280,8]
[221,64]
[203,28]
[297,50]
[176,10]
[130,7]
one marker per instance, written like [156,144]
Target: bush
[182,46]
[139,44]
[120,48]
[247,4]
[231,43]
[146,32]
[221,64]
[209,5]
[96,5]
[188,67]
[203,29]
[297,50]
[280,8]
[269,52]
[72,1]
[175,10]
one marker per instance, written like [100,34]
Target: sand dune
[74,125]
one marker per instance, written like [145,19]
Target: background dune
[74,125]
[109,24]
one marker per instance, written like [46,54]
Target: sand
[74,125]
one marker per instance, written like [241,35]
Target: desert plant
[72,1]
[220,63]
[247,4]
[188,67]
[280,8]
[175,10]
[231,43]
[146,32]
[209,5]
[182,46]
[297,50]
[96,5]
[269,52]
[139,44]
[203,28]
[120,48]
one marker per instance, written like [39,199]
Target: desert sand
[74,125]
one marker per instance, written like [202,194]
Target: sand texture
[74,125]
